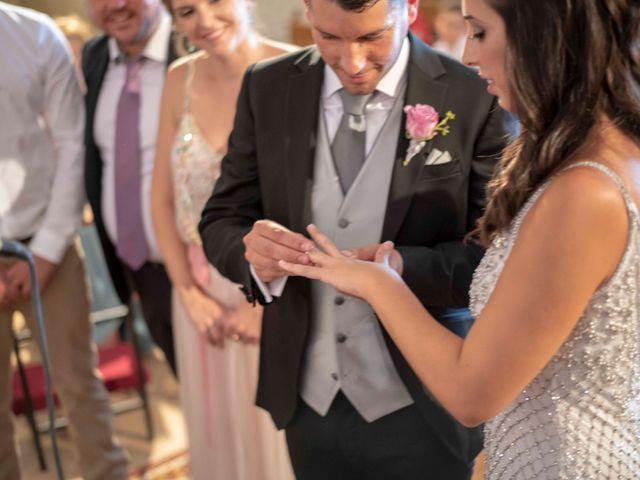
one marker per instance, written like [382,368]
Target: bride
[552,363]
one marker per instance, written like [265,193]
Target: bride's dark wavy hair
[567,62]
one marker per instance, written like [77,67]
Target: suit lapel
[424,67]
[302,106]
[171,49]
[95,72]
[95,68]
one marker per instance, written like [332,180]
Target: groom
[319,136]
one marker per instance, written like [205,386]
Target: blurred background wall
[278,19]
[53,7]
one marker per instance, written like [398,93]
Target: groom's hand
[268,242]
[368,253]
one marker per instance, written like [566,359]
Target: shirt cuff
[271,289]
[49,246]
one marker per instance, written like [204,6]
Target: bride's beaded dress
[580,417]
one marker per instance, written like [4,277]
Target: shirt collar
[156,48]
[389,84]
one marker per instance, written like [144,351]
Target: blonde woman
[216,331]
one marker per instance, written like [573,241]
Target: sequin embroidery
[580,417]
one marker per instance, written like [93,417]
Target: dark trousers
[154,288]
[343,446]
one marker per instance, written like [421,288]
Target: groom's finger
[263,248]
[281,235]
[268,274]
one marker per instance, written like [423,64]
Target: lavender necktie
[131,244]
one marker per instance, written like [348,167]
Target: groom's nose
[353,58]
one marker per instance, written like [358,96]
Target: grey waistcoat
[346,349]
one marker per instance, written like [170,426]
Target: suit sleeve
[440,275]
[235,203]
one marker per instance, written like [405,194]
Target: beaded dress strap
[631,205]
[186,106]
[517,221]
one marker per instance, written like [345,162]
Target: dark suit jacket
[267,173]
[95,60]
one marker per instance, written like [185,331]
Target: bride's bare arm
[569,244]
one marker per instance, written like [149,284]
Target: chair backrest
[120,364]
[105,303]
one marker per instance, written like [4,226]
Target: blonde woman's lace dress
[580,417]
[229,437]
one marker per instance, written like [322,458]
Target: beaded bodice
[580,417]
[196,168]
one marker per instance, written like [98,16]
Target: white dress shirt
[152,76]
[41,127]
[376,114]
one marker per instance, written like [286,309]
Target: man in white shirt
[41,199]
[124,72]
[320,136]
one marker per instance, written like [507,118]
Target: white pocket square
[438,157]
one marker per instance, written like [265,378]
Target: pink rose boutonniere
[423,123]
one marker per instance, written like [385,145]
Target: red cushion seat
[116,364]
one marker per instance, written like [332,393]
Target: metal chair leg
[29,407]
[140,387]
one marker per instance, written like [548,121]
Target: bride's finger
[323,241]
[384,252]
[318,257]
[314,273]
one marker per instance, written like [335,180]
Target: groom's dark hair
[356,5]
[359,5]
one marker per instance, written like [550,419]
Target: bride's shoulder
[584,190]
[589,186]
[581,202]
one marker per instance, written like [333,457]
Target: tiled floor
[169,438]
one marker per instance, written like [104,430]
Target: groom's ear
[412,10]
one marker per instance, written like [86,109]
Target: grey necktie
[348,146]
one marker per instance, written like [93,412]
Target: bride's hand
[354,277]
